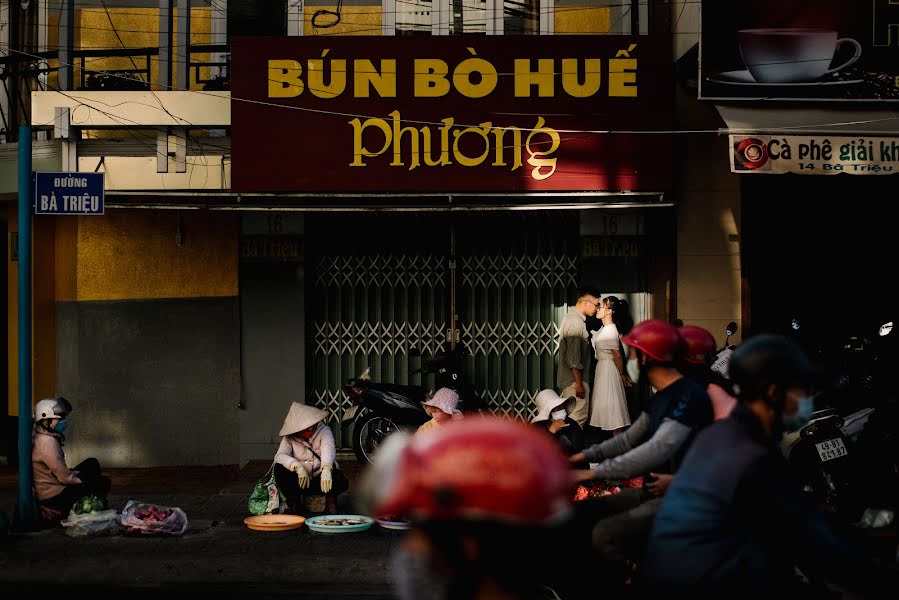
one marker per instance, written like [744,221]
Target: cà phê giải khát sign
[464,114]
[814,155]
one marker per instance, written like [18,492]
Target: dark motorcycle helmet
[766,360]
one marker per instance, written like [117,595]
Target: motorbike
[381,409]
[724,354]
[847,456]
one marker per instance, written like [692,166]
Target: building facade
[244,261]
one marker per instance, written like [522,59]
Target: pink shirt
[51,475]
[722,402]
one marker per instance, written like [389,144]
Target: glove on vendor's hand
[294,466]
[302,478]
[326,479]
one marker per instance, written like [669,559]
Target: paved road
[218,556]
[221,559]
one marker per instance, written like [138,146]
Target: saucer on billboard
[751,153]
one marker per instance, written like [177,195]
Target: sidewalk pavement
[217,557]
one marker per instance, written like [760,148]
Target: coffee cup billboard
[790,55]
[791,50]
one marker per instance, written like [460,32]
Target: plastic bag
[265,497]
[149,519]
[105,522]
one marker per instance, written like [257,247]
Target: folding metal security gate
[384,284]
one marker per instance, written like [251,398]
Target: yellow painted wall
[43,312]
[355,20]
[43,302]
[12,312]
[66,259]
[582,19]
[123,255]
[136,28]
[133,254]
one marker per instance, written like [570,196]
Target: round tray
[393,524]
[274,522]
[316,523]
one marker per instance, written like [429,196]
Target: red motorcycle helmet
[657,339]
[699,344]
[478,469]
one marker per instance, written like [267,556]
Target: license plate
[350,413]
[831,449]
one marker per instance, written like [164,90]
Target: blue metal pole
[25,505]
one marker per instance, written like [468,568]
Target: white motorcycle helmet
[52,408]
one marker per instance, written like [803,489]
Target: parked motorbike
[724,354]
[847,456]
[380,409]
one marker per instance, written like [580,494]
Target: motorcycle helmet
[766,360]
[52,408]
[657,339]
[699,345]
[485,469]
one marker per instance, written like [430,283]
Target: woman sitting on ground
[553,416]
[442,408]
[306,459]
[56,486]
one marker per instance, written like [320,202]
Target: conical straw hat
[301,416]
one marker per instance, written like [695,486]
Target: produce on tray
[335,522]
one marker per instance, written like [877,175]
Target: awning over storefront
[395,202]
[788,120]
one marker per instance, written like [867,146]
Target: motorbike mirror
[731,328]
[886,328]
[366,374]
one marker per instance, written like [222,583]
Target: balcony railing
[22,73]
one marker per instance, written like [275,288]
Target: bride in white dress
[608,408]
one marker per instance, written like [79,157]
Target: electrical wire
[523,129]
[213,8]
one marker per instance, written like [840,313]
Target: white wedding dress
[608,406]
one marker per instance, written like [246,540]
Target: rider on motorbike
[733,520]
[655,442]
[486,499]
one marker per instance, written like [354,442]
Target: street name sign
[68,193]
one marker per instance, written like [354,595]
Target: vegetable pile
[88,505]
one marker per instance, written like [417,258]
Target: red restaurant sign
[462,113]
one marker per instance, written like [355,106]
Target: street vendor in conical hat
[306,459]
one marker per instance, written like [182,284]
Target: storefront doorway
[818,250]
[383,285]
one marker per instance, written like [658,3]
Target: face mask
[633,369]
[61,426]
[797,421]
[413,579]
[559,415]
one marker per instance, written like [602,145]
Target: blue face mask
[798,421]
[61,426]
